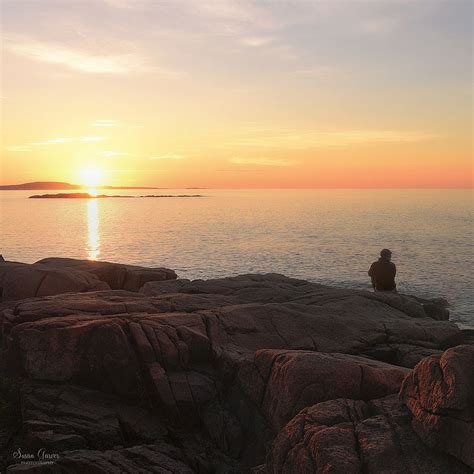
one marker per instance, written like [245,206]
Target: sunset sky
[238,94]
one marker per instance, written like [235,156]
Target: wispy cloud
[241,170]
[124,58]
[168,156]
[314,72]
[18,148]
[92,139]
[237,13]
[52,141]
[105,123]
[354,137]
[261,161]
[300,139]
[257,41]
[111,153]
[128,4]
[135,170]
[58,140]
[77,59]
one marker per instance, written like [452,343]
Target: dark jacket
[383,274]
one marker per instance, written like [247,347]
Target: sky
[234,94]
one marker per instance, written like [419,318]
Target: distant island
[102,196]
[54,185]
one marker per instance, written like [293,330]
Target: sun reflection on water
[93,244]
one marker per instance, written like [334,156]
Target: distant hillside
[53,185]
[40,185]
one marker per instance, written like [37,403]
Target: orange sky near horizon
[235,94]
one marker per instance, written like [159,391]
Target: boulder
[94,352]
[283,382]
[440,394]
[117,276]
[20,281]
[353,436]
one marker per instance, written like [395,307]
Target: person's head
[385,253]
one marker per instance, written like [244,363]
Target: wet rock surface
[255,373]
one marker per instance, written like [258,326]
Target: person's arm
[371,270]
[394,270]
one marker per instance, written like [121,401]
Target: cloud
[52,141]
[257,41]
[261,161]
[235,13]
[92,139]
[81,60]
[127,4]
[18,148]
[135,170]
[168,156]
[58,140]
[104,123]
[240,170]
[111,153]
[355,137]
[301,139]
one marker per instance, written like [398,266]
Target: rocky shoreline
[119,368]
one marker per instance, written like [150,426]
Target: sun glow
[91,178]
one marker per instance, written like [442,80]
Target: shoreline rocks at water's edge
[52,276]
[120,367]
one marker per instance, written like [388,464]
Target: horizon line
[256,187]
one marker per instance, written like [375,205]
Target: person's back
[383,272]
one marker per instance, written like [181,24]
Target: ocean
[326,236]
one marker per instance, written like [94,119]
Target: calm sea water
[326,236]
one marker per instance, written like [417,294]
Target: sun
[91,177]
